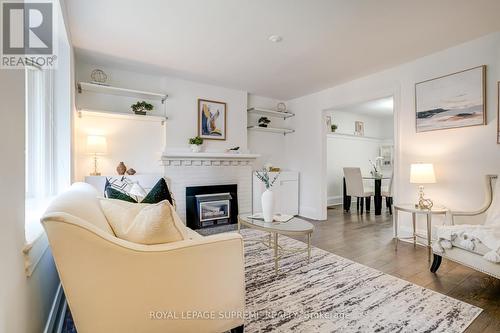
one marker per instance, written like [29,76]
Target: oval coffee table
[294,227]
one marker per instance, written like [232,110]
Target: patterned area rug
[335,294]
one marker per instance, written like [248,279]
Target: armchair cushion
[144,223]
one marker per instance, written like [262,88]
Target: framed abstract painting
[211,119]
[451,101]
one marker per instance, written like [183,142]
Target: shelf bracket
[79,87]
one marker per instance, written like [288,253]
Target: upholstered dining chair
[387,194]
[356,188]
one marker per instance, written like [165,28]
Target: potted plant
[196,143]
[267,198]
[334,127]
[263,121]
[141,107]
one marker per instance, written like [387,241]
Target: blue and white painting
[211,119]
[455,100]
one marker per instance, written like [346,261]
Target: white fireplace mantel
[206,159]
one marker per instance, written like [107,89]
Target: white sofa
[113,285]
[471,258]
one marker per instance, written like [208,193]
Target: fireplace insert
[209,206]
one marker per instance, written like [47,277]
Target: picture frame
[359,128]
[451,101]
[212,117]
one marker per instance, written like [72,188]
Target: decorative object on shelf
[195,144]
[96,145]
[376,172]
[141,107]
[99,77]
[281,107]
[451,101]
[359,128]
[121,168]
[131,172]
[264,121]
[333,127]
[422,173]
[211,119]
[268,195]
[234,150]
[328,121]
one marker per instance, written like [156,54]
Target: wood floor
[367,239]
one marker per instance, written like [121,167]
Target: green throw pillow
[111,193]
[158,193]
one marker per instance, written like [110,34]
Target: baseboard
[55,321]
[335,200]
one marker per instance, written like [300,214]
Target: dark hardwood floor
[367,239]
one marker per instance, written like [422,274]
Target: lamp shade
[422,173]
[96,144]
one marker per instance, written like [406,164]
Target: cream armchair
[112,285]
[471,258]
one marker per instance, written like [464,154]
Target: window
[40,177]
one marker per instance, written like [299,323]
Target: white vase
[268,205]
[195,148]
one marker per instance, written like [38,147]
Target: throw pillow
[158,193]
[111,193]
[144,223]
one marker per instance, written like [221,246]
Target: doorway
[360,135]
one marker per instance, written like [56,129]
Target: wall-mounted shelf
[110,90]
[283,131]
[270,112]
[121,115]
[355,137]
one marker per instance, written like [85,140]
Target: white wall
[181,125]
[271,146]
[461,156]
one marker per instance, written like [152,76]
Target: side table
[410,208]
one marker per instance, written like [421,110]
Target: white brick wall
[182,176]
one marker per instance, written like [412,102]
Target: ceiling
[379,108]
[225,42]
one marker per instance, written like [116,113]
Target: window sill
[36,239]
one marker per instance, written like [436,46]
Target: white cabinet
[286,192]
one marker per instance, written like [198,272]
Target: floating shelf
[121,115]
[283,131]
[110,90]
[270,113]
[355,137]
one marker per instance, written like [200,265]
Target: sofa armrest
[112,285]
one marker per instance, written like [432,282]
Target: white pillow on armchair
[144,223]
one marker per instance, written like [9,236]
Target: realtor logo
[27,34]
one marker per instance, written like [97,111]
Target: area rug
[333,294]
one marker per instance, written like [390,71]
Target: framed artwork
[451,101]
[211,119]
[359,128]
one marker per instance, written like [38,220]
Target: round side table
[410,208]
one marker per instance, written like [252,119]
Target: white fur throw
[468,236]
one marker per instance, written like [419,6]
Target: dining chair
[388,195]
[355,188]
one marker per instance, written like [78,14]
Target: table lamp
[96,145]
[422,173]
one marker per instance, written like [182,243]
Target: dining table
[377,198]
